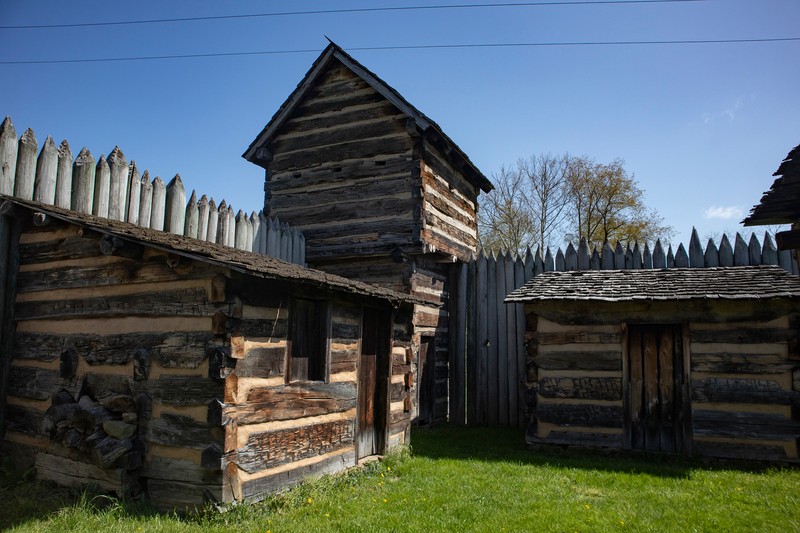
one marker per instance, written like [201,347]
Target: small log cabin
[381,194]
[687,361]
[147,362]
[781,204]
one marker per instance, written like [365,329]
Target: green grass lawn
[463,480]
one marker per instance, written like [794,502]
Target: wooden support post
[502,341]
[481,337]
[44,186]
[8,156]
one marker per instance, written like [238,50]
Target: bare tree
[504,218]
[546,176]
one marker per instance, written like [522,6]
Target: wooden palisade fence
[488,358]
[113,188]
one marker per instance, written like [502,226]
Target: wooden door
[427,365]
[373,377]
[657,400]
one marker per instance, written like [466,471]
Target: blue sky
[701,126]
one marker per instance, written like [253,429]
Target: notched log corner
[220,362]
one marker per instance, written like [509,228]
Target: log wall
[109,373]
[744,376]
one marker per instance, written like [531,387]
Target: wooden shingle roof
[423,123]
[781,203]
[239,260]
[723,283]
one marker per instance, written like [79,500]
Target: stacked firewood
[106,428]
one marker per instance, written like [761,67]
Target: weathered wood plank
[180,391]
[583,415]
[33,383]
[275,448]
[171,350]
[178,430]
[168,303]
[748,391]
[742,334]
[741,450]
[584,360]
[578,438]
[291,401]
[744,425]
[585,388]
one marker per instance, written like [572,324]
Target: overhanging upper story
[362,172]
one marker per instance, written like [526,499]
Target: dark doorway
[373,382]
[427,378]
[657,414]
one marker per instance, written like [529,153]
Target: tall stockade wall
[111,187]
[489,359]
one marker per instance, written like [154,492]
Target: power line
[342,11]
[406,47]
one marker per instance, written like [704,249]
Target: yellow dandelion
[327,515]
[382,474]
[385,500]
[389,468]
[309,501]
[587,506]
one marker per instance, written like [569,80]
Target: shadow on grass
[25,500]
[508,445]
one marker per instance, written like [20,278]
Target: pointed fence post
[628,257]
[44,186]
[222,224]
[538,262]
[8,156]
[769,253]
[549,264]
[711,257]
[64,176]
[175,209]
[213,221]
[754,250]
[255,222]
[637,257]
[594,262]
[725,252]
[133,202]
[785,260]
[102,179]
[607,257]
[263,228]
[251,231]
[583,254]
[571,258]
[741,255]
[670,258]
[191,217]
[659,259]
[561,264]
[647,257]
[83,182]
[118,191]
[241,231]
[528,266]
[619,256]
[26,165]
[230,237]
[285,244]
[202,218]
[696,257]
[159,209]
[681,257]
[145,200]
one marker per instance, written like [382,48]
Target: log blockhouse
[692,361]
[380,192]
[147,362]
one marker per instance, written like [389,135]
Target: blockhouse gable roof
[722,283]
[781,203]
[421,121]
[208,252]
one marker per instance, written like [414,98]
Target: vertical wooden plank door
[655,379]
[373,377]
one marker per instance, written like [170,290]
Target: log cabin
[687,361]
[781,204]
[381,194]
[151,363]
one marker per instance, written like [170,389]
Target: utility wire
[341,11]
[405,47]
